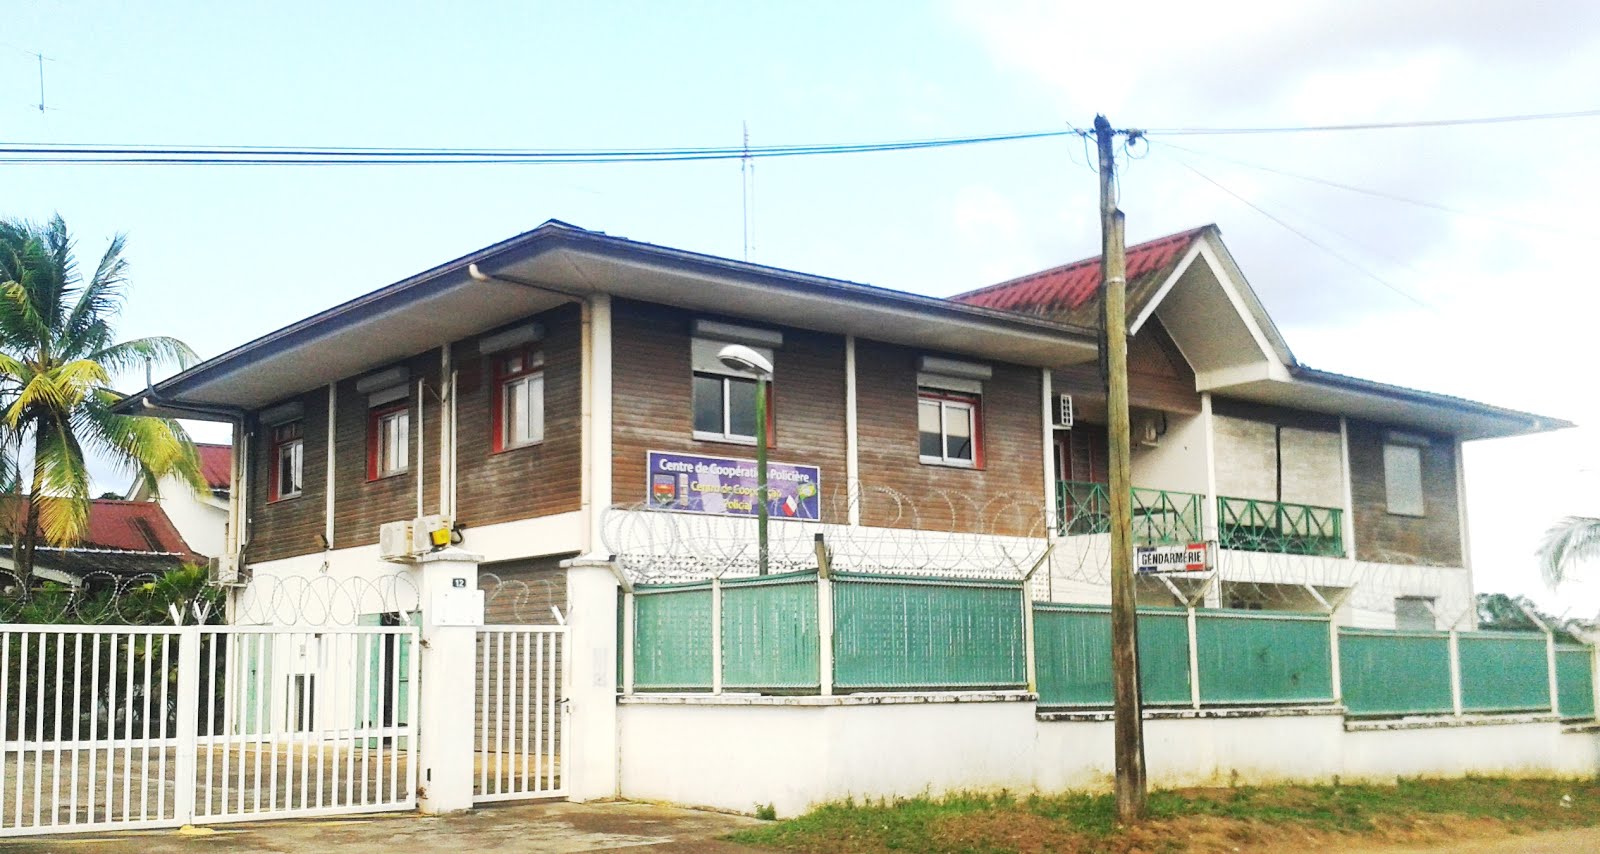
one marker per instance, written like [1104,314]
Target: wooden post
[1130,771]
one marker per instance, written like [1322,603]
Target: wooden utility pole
[1130,782]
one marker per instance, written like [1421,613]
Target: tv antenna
[747,179]
[42,59]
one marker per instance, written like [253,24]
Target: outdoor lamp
[746,360]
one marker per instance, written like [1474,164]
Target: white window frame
[295,449]
[393,450]
[946,403]
[531,377]
[705,364]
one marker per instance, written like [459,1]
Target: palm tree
[57,357]
[1574,539]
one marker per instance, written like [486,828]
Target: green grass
[1183,820]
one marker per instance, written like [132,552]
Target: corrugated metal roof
[1071,293]
[216,465]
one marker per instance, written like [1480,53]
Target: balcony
[1164,517]
[1160,517]
[1274,526]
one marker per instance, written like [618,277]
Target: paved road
[1553,842]
[548,828]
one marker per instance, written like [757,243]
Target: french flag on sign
[789,506]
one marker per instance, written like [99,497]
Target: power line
[1380,194]
[1423,123]
[251,155]
[1313,241]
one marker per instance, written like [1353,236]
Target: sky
[1455,259]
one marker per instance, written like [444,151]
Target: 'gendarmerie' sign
[1194,557]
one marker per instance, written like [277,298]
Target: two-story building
[524,392]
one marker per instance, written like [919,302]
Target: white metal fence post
[188,723]
[1031,659]
[628,606]
[1550,665]
[1194,659]
[1333,652]
[716,634]
[1455,671]
[825,633]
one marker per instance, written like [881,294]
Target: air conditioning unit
[430,533]
[223,571]
[1064,411]
[1147,433]
[395,541]
[405,541]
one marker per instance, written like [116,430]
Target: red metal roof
[1062,292]
[216,464]
[140,526]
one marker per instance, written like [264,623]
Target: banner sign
[691,483]
[1194,557]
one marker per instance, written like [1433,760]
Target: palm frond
[149,448]
[60,483]
[1574,539]
[159,349]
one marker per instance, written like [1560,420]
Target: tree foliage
[1573,540]
[58,355]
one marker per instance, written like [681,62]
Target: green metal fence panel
[1072,654]
[902,633]
[1503,672]
[672,638]
[1575,681]
[1387,673]
[769,633]
[1263,657]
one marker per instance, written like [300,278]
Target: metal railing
[1160,516]
[1249,525]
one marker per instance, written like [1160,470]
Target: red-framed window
[950,428]
[388,440]
[288,455]
[518,418]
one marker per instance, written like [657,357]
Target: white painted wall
[794,753]
[202,520]
[1177,461]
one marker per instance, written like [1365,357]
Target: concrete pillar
[452,611]
[589,760]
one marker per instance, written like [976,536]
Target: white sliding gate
[124,727]
[521,717]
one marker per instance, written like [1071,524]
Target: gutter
[1536,423]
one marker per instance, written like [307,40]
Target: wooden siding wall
[1433,539]
[526,591]
[537,480]
[290,526]
[1004,497]
[1158,375]
[359,506]
[652,391]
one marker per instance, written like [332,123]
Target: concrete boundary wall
[737,752]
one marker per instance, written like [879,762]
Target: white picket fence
[138,727]
[521,719]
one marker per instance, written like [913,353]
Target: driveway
[548,828]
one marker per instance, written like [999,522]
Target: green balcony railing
[1160,517]
[1274,526]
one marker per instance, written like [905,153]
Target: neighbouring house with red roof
[202,519]
[124,538]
